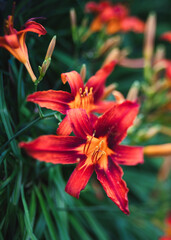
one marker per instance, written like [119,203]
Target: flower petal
[132,24]
[115,122]
[127,155]
[79,178]
[166,36]
[80,123]
[114,186]
[97,82]
[32,26]
[55,149]
[75,81]
[103,106]
[64,128]
[51,99]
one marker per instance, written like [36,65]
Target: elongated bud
[83,72]
[133,92]
[73,18]
[158,150]
[149,36]
[115,54]
[109,43]
[165,169]
[47,61]
[108,90]
[51,48]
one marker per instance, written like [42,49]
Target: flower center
[96,149]
[84,99]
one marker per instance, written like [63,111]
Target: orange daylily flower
[14,41]
[88,96]
[94,147]
[115,17]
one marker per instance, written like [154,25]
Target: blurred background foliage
[33,203]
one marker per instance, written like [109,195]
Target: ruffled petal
[114,123]
[166,36]
[55,149]
[114,186]
[97,82]
[75,81]
[132,24]
[51,99]
[127,155]
[80,123]
[64,128]
[32,26]
[79,178]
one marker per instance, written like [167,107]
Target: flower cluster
[114,17]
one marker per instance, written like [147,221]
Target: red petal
[115,122]
[80,123]
[64,128]
[103,106]
[75,81]
[114,186]
[166,36]
[32,26]
[12,40]
[51,99]
[97,82]
[79,178]
[127,155]
[132,24]
[55,149]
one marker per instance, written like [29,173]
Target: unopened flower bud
[133,92]
[51,48]
[109,43]
[158,150]
[83,72]
[150,30]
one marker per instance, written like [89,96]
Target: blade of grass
[6,119]
[27,217]
[46,214]
[60,221]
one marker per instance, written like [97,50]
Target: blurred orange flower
[115,17]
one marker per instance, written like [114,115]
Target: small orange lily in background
[115,17]
[14,41]
[95,147]
[88,97]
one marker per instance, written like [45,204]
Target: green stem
[39,108]
[25,128]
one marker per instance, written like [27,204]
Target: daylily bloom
[115,17]
[14,41]
[95,147]
[88,97]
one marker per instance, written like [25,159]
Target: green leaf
[47,216]
[27,217]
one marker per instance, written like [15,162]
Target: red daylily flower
[93,148]
[115,17]
[14,41]
[88,97]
